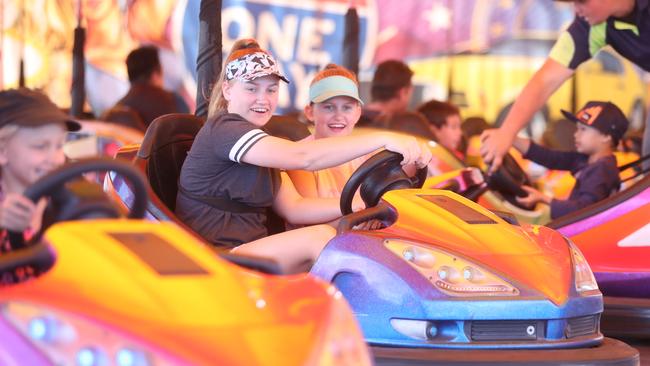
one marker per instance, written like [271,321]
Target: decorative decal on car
[639,238]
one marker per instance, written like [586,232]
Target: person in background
[412,123]
[147,97]
[390,91]
[444,122]
[601,125]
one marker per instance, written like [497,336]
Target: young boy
[601,125]
[444,122]
[32,133]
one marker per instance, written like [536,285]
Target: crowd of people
[236,170]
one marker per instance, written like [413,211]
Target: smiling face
[334,117]
[254,100]
[30,154]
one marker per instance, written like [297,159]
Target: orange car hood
[243,317]
[533,256]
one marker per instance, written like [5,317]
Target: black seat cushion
[287,127]
[163,151]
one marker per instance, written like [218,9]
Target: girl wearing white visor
[334,108]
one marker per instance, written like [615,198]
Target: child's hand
[412,151]
[425,156]
[16,212]
[370,225]
[533,197]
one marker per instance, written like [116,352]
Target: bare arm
[534,95]
[302,210]
[319,154]
[305,182]
[521,144]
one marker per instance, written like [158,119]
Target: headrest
[168,129]
[287,127]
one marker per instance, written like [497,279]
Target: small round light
[530,330]
[125,357]
[432,330]
[408,254]
[38,329]
[472,274]
[90,356]
[131,357]
[86,357]
[449,274]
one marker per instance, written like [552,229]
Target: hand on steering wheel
[494,148]
[16,212]
[52,185]
[508,180]
[377,175]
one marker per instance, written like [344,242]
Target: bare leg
[291,249]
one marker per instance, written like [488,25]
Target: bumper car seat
[162,153]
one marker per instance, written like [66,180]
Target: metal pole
[78,87]
[21,64]
[209,58]
[351,40]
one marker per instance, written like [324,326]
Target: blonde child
[32,133]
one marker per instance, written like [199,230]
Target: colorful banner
[303,35]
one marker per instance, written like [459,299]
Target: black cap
[606,117]
[29,108]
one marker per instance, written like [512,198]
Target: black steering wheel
[508,179]
[66,204]
[377,175]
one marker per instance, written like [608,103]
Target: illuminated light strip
[639,238]
[472,289]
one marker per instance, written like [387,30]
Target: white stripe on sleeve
[244,143]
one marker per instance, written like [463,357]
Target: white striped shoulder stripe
[245,143]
